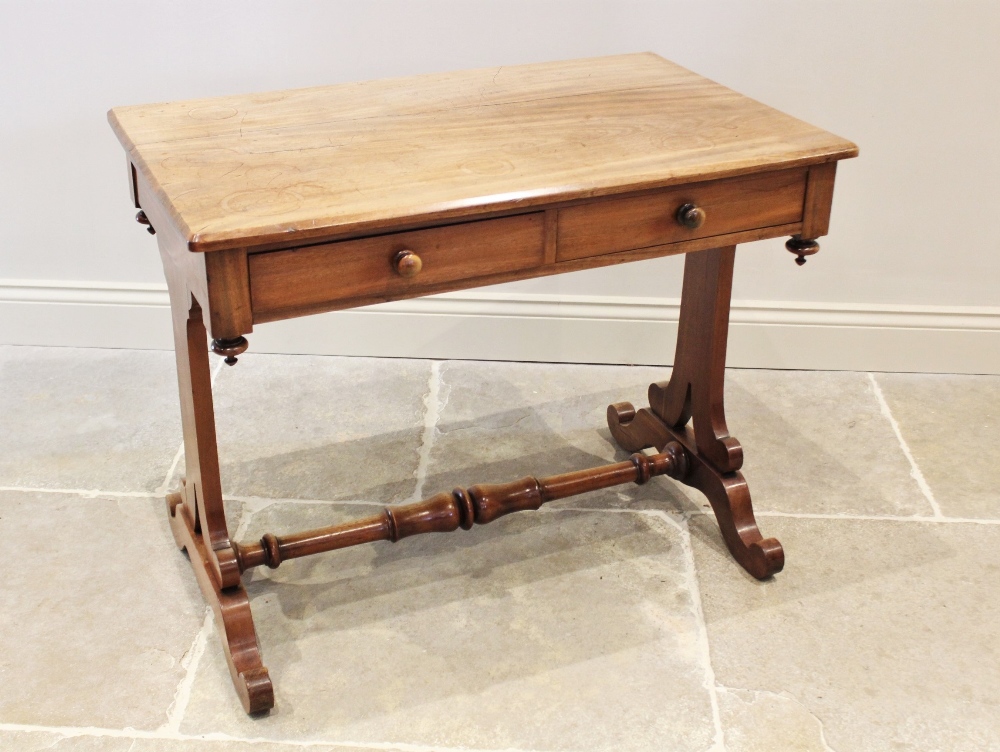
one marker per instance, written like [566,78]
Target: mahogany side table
[269,206]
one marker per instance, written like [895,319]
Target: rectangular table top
[311,164]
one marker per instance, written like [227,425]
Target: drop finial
[801,248]
[230,347]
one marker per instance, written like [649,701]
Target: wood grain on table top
[318,163]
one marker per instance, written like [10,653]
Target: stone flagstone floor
[614,621]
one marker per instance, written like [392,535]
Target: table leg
[197,515]
[694,394]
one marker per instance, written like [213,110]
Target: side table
[282,204]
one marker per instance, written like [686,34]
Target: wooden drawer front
[731,205]
[319,275]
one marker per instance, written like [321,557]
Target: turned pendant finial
[230,347]
[142,219]
[801,248]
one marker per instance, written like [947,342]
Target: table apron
[562,238]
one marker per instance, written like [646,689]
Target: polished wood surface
[819,200]
[284,283]
[340,196]
[695,389]
[578,235]
[313,164]
[712,208]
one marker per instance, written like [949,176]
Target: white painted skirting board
[567,328]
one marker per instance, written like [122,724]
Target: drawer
[731,205]
[366,269]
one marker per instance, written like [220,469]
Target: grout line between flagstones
[90,493]
[70,732]
[265,501]
[691,575]
[682,526]
[182,695]
[918,476]
[432,411]
[165,485]
[879,518]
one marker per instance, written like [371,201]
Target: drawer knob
[407,264]
[691,216]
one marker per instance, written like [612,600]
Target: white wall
[915,84]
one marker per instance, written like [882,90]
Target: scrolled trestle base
[462,508]
[727,492]
[231,605]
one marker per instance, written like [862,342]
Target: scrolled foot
[255,690]
[768,557]
[632,430]
[730,499]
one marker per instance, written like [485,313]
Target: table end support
[690,409]
[233,618]
[727,492]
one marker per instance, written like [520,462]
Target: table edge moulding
[283,204]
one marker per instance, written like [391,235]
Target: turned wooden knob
[691,216]
[407,264]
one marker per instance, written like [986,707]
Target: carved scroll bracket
[726,492]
